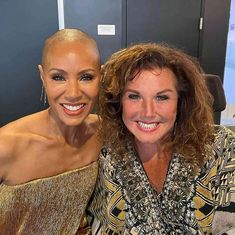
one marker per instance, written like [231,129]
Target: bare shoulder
[7,146]
[13,135]
[19,127]
[8,137]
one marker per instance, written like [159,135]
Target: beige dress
[48,206]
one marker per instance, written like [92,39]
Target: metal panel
[87,15]
[23,27]
[175,22]
[214,38]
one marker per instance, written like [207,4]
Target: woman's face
[150,105]
[71,74]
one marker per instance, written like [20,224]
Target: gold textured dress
[48,206]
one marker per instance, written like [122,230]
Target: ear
[41,72]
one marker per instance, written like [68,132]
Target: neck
[148,151]
[59,130]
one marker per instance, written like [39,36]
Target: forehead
[64,50]
[154,77]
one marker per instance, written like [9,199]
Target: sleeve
[94,212]
[224,218]
[106,207]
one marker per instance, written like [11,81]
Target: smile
[147,126]
[73,107]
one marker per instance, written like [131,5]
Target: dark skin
[58,139]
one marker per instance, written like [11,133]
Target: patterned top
[48,206]
[125,202]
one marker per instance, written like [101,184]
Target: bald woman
[48,160]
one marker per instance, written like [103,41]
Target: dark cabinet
[24,25]
[103,19]
[197,27]
[174,22]
[214,36]
[114,24]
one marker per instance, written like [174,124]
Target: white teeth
[73,108]
[147,125]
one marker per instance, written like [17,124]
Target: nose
[148,108]
[72,90]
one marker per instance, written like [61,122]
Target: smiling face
[150,105]
[70,75]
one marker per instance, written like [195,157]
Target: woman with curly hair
[166,168]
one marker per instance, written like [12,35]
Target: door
[104,20]
[175,22]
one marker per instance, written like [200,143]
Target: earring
[43,96]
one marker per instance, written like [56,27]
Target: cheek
[171,112]
[167,111]
[92,90]
[93,93]
[96,90]
[54,91]
[129,110]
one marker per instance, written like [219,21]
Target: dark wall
[214,35]
[25,24]
[87,15]
[175,22]
[23,27]
[213,40]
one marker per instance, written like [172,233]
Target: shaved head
[67,35]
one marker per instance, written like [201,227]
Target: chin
[73,122]
[147,141]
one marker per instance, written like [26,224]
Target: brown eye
[86,77]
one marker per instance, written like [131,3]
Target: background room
[203,28]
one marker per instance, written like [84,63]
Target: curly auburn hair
[193,130]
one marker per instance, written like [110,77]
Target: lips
[72,109]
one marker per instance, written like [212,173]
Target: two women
[165,169]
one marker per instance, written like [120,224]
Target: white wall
[228,115]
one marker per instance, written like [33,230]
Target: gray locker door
[214,38]
[23,27]
[88,14]
[175,22]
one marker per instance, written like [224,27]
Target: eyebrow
[158,93]
[63,71]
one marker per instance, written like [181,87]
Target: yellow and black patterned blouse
[125,203]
